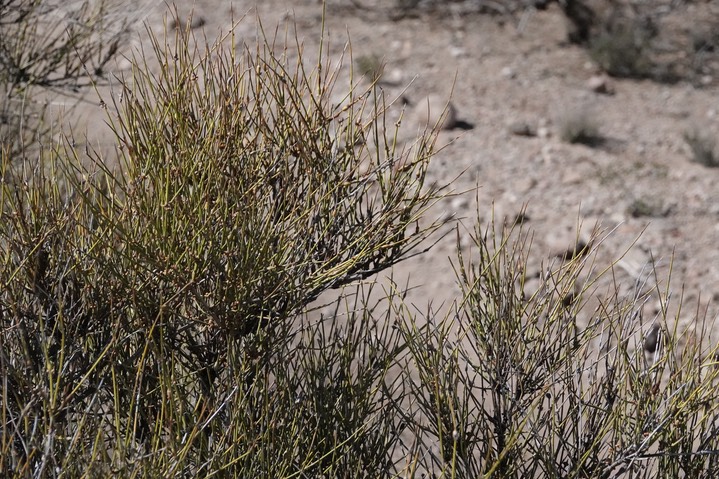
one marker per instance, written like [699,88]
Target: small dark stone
[180,24]
[569,299]
[652,339]
[521,128]
[580,249]
[521,218]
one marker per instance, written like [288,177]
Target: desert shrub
[620,54]
[647,207]
[622,47]
[156,318]
[528,383]
[51,45]
[704,40]
[148,311]
[703,147]
[437,9]
[370,66]
[579,125]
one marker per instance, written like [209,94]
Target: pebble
[566,243]
[429,111]
[521,128]
[547,153]
[580,248]
[195,22]
[457,52]
[508,72]
[653,339]
[459,203]
[600,84]
[393,77]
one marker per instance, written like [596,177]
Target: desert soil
[517,83]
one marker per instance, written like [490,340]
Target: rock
[457,52]
[521,128]
[393,77]
[521,218]
[652,341]
[547,153]
[459,203]
[566,243]
[571,297]
[196,21]
[600,84]
[507,72]
[579,249]
[430,110]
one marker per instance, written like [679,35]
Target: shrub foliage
[138,299]
[156,317]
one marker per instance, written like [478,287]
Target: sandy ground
[516,82]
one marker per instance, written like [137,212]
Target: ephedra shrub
[562,379]
[47,48]
[150,312]
[154,315]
